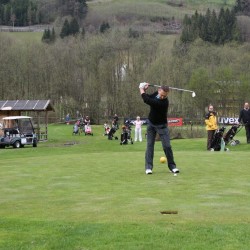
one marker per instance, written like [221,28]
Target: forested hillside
[96,71]
[31,12]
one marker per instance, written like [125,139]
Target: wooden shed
[38,109]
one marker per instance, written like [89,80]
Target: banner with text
[175,122]
[228,120]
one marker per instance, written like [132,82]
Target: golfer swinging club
[157,123]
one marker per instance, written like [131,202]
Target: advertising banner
[228,120]
[175,122]
[171,121]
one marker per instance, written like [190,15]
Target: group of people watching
[212,125]
[115,126]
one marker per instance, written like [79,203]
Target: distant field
[156,7]
[25,36]
[145,13]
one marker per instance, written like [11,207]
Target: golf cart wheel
[2,146]
[17,144]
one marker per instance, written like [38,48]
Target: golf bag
[88,130]
[106,129]
[112,132]
[218,143]
[126,133]
[76,130]
[81,125]
[228,137]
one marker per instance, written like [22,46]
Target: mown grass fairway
[85,192]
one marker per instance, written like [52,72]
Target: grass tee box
[94,194]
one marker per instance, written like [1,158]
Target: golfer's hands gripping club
[143,85]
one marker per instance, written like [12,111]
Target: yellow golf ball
[163,159]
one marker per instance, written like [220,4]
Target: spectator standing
[244,118]
[138,123]
[115,121]
[67,119]
[211,125]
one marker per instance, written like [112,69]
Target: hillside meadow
[87,192]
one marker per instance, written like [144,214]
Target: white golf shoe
[149,171]
[175,170]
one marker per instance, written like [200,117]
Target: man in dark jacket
[157,123]
[244,118]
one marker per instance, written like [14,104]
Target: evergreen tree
[213,28]
[242,7]
[4,1]
[53,35]
[74,27]
[196,24]
[104,27]
[83,32]
[222,26]
[65,29]
[188,32]
[45,36]
[1,14]
[49,36]
[82,9]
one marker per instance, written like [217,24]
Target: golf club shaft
[158,86]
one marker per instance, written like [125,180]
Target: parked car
[17,132]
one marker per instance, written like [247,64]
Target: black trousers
[210,135]
[247,127]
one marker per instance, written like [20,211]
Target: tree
[212,28]
[83,32]
[74,27]
[53,35]
[242,7]
[65,29]
[73,8]
[49,36]
[104,27]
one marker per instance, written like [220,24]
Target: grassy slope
[94,195]
[24,37]
[156,7]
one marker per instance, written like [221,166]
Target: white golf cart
[17,132]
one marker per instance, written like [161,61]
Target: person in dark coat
[244,118]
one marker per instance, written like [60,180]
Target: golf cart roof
[16,117]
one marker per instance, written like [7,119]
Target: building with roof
[38,109]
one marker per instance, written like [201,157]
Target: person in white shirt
[138,123]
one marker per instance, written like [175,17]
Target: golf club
[186,90]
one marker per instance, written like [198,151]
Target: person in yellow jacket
[211,125]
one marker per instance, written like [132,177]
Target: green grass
[84,192]
[155,8]
[25,37]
